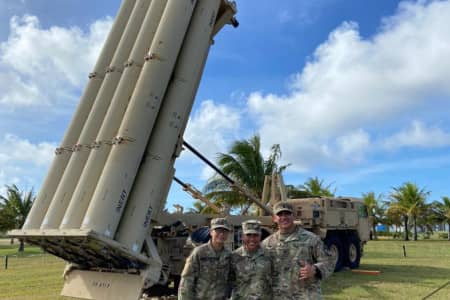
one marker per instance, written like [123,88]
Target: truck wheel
[353,251]
[334,246]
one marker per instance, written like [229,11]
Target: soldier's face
[219,236]
[285,220]
[251,241]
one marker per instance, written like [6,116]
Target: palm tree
[443,212]
[295,192]
[409,201]
[316,187]
[15,206]
[246,165]
[201,208]
[374,210]
[392,218]
[7,221]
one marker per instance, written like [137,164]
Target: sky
[355,92]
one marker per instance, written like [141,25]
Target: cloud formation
[212,126]
[418,135]
[47,66]
[23,162]
[211,129]
[352,86]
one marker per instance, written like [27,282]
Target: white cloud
[211,129]
[408,165]
[212,126]
[12,148]
[418,135]
[47,66]
[21,161]
[354,84]
[353,145]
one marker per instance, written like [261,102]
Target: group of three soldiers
[289,264]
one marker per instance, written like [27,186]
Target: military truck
[341,222]
[101,206]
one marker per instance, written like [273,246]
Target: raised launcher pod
[94,166]
[63,153]
[82,149]
[146,200]
[99,266]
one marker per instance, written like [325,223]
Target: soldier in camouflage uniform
[299,258]
[251,266]
[206,272]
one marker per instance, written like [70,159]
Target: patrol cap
[251,226]
[282,206]
[220,223]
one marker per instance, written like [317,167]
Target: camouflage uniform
[251,275]
[206,272]
[287,252]
[251,272]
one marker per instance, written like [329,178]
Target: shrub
[442,235]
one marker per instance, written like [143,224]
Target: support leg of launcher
[110,284]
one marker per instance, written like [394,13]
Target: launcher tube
[145,200]
[115,183]
[90,130]
[72,134]
[97,158]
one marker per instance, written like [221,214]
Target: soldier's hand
[307,271]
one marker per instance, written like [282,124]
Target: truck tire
[334,246]
[353,251]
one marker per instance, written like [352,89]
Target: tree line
[14,208]
[405,206]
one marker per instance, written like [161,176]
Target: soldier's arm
[264,243]
[322,260]
[189,277]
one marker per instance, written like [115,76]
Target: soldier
[251,266]
[299,258]
[206,272]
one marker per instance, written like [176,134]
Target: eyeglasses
[221,230]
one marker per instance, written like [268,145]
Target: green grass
[427,267]
[6,248]
[32,277]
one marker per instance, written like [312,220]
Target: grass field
[32,275]
[425,268]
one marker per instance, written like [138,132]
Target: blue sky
[355,92]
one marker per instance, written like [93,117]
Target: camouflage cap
[282,206]
[251,226]
[220,223]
